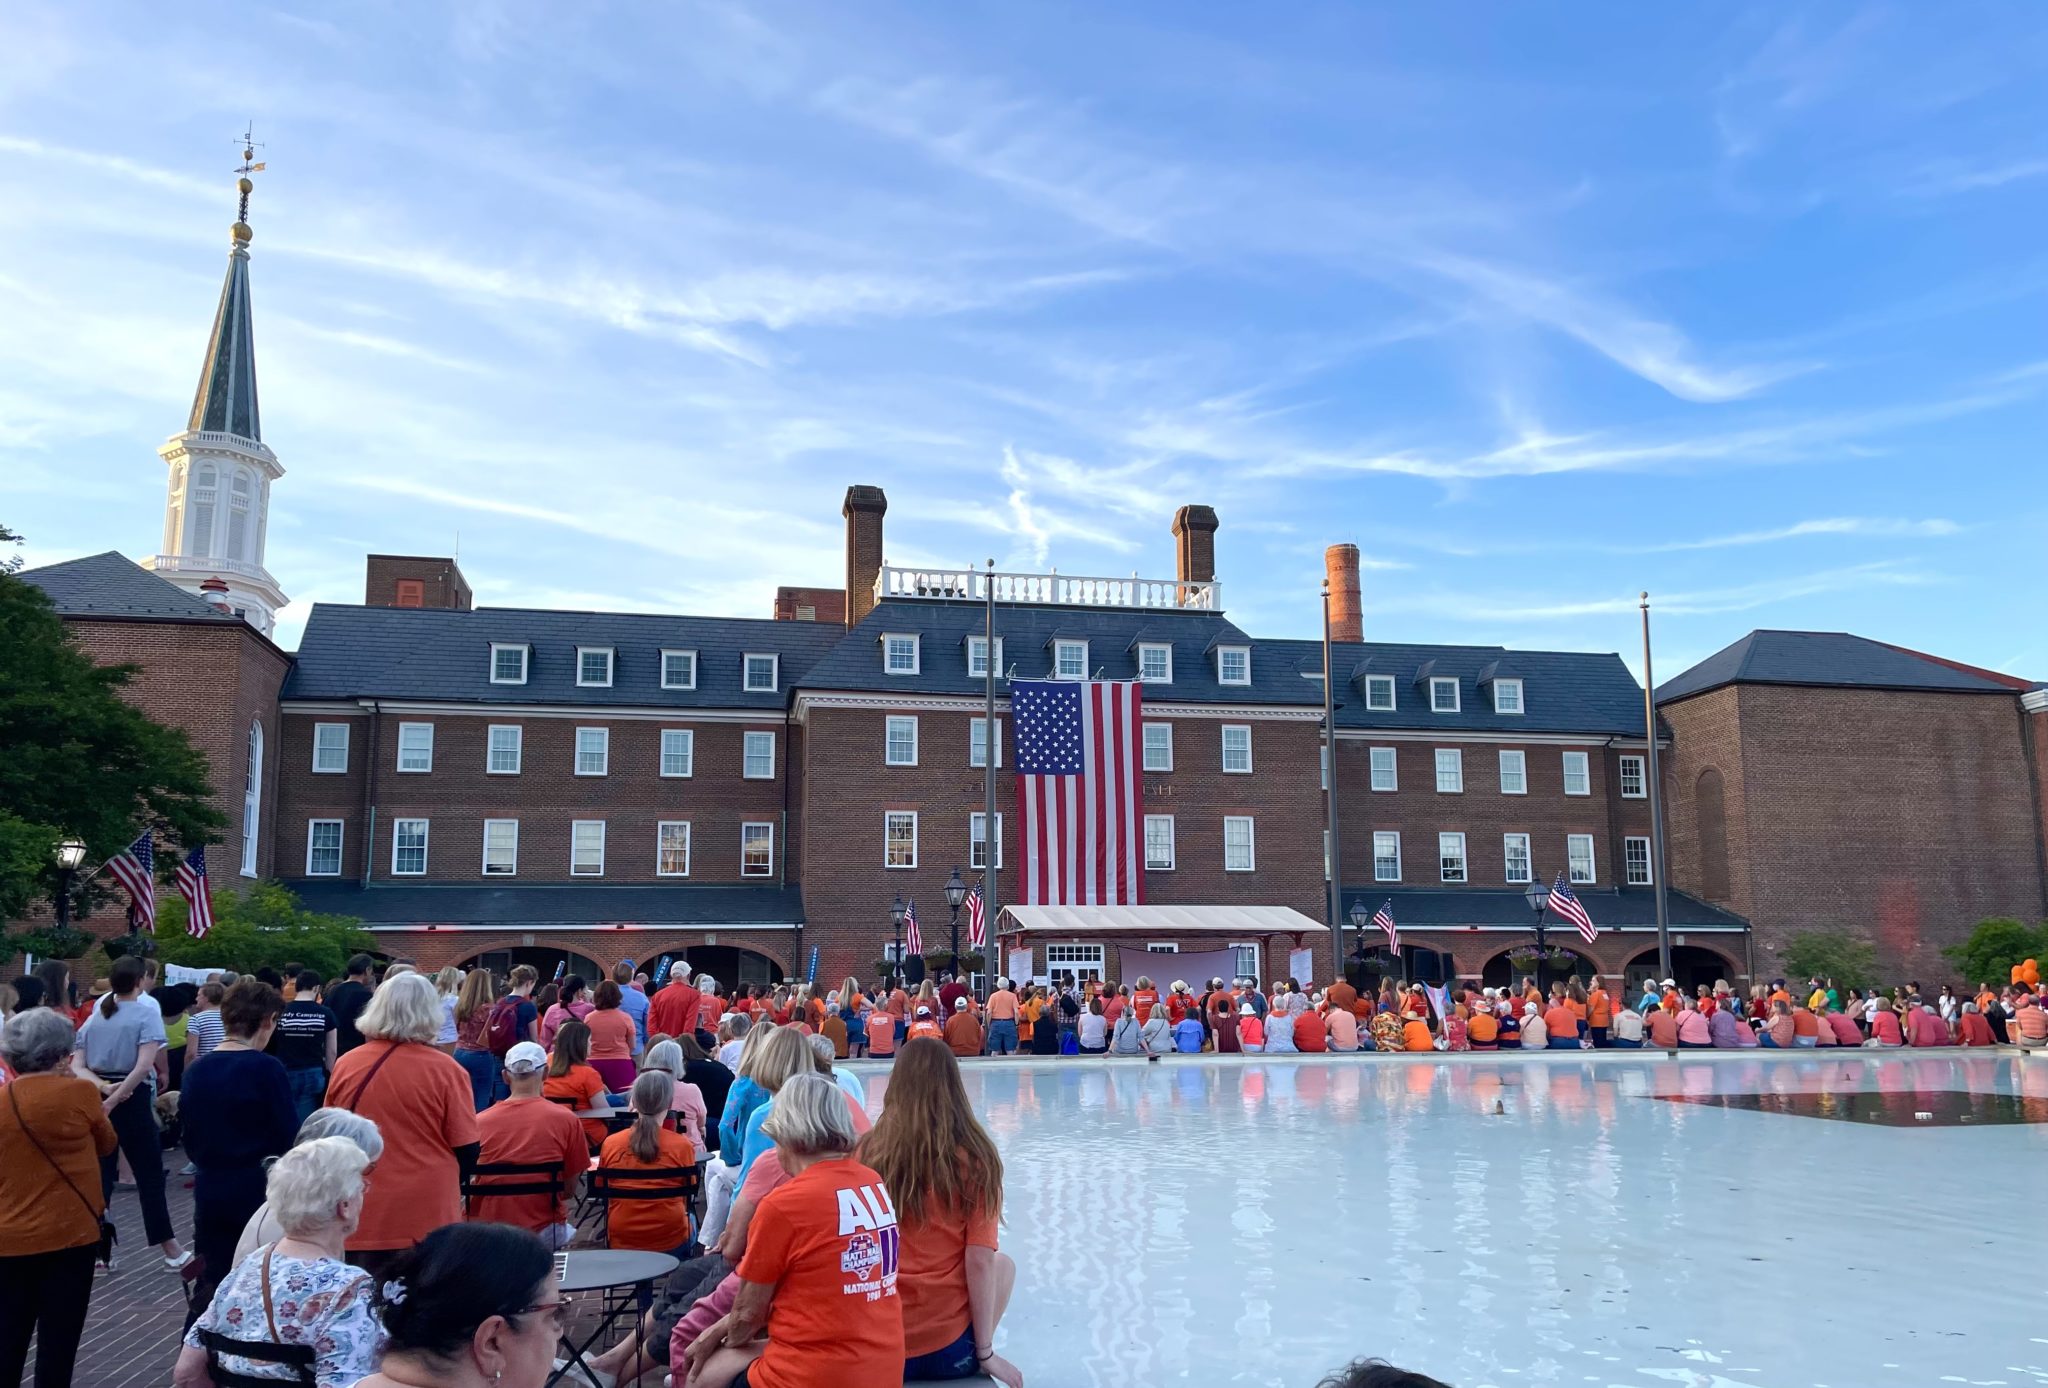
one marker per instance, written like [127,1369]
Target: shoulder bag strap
[97,1212]
[269,1314]
[364,1087]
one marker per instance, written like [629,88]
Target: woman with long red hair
[946,1179]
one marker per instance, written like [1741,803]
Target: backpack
[501,1031]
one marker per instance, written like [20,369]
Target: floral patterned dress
[317,1302]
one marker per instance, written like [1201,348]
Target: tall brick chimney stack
[1347,618]
[1194,545]
[863,510]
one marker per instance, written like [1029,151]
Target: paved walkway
[131,1333]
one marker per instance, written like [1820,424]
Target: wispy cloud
[1952,177]
[1484,607]
[1877,527]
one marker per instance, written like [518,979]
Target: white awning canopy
[1158,922]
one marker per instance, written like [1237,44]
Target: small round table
[605,1270]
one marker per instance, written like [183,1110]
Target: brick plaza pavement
[131,1333]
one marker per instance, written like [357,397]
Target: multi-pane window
[415,746]
[1070,660]
[977,840]
[504,749]
[1450,857]
[1633,785]
[594,666]
[1514,773]
[899,738]
[1384,771]
[1159,746]
[1579,857]
[1237,747]
[408,847]
[1635,857]
[501,847]
[330,747]
[678,752]
[508,664]
[678,669]
[977,742]
[977,656]
[757,756]
[593,751]
[1233,665]
[1386,856]
[586,848]
[1507,696]
[672,848]
[1237,843]
[899,654]
[1515,849]
[1159,842]
[323,848]
[899,839]
[1379,693]
[1578,778]
[1450,770]
[761,674]
[1247,960]
[1155,662]
[1443,696]
[1081,961]
[757,850]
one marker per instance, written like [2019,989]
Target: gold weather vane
[242,184]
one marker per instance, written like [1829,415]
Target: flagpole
[1656,804]
[1333,858]
[991,751]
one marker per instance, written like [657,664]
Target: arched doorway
[1691,966]
[729,964]
[545,962]
[1511,966]
[1415,964]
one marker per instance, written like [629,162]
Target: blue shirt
[740,1102]
[633,1003]
[756,1142]
[1187,1037]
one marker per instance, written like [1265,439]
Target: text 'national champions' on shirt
[867,1221]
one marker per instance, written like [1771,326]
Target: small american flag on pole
[913,938]
[192,885]
[977,917]
[1384,919]
[134,867]
[1079,791]
[1572,909]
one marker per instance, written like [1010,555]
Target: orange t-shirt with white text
[1145,999]
[827,1242]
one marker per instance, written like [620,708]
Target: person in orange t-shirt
[881,1028]
[1482,1030]
[1562,1024]
[1309,1036]
[1599,1014]
[821,1264]
[1415,1036]
[638,1221]
[527,1129]
[572,1083]
[924,1026]
[1145,997]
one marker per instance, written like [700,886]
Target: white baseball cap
[526,1059]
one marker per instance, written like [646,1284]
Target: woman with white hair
[300,1289]
[263,1227]
[669,1058]
[422,1103]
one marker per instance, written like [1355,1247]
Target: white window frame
[1228,769]
[1437,682]
[889,665]
[1584,761]
[604,751]
[974,820]
[1516,686]
[666,682]
[403,729]
[491,731]
[1150,864]
[318,730]
[610,655]
[525,660]
[767,869]
[1375,683]
[747,685]
[892,725]
[1061,648]
[1251,842]
[890,819]
[1571,857]
[661,827]
[1507,845]
[1222,677]
[1082,961]
[426,828]
[980,643]
[1520,762]
[340,845]
[1393,769]
[979,744]
[484,867]
[1642,777]
[747,744]
[575,827]
[686,739]
[1456,843]
[1145,762]
[1380,838]
[1628,862]
[1257,958]
[1456,767]
[1160,648]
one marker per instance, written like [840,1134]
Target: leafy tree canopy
[260,926]
[1993,948]
[1835,954]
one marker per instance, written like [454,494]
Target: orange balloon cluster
[2028,973]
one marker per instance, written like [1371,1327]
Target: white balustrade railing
[1053,589]
[187,563]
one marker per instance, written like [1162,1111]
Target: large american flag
[1572,909]
[1079,793]
[1384,919]
[977,917]
[134,867]
[913,938]
[192,885]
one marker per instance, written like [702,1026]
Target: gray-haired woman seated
[263,1227]
[298,1290]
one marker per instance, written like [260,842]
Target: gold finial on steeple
[240,231]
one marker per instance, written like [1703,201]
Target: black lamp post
[896,919]
[70,857]
[1359,920]
[956,893]
[1538,897]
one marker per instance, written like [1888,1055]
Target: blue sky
[1539,306]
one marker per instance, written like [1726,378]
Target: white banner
[180,973]
[1301,966]
[1020,964]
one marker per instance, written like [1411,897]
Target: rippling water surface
[1540,1221]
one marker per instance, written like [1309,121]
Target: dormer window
[1233,665]
[508,663]
[594,667]
[1070,660]
[763,673]
[1155,662]
[899,654]
[678,669]
[1507,696]
[977,657]
[1443,696]
[1379,693]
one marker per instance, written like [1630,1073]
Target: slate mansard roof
[113,585]
[1828,659]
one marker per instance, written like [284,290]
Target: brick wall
[441,582]
[1706,737]
[434,949]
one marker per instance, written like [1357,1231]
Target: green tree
[79,759]
[1993,948]
[260,926]
[1835,954]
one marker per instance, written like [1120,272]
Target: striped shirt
[206,1026]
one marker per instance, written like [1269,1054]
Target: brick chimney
[1194,545]
[1340,565]
[214,593]
[864,509]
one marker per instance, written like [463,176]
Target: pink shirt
[1693,1028]
[1251,1031]
[1884,1027]
[1343,1030]
[1845,1030]
[1923,1028]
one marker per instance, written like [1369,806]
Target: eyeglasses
[552,1309]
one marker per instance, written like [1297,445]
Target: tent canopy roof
[1157,921]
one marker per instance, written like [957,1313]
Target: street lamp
[1538,897]
[896,919]
[70,857]
[956,893]
[1359,920]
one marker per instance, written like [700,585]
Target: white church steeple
[221,471]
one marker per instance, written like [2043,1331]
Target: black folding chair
[643,1183]
[297,1358]
[491,1178]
